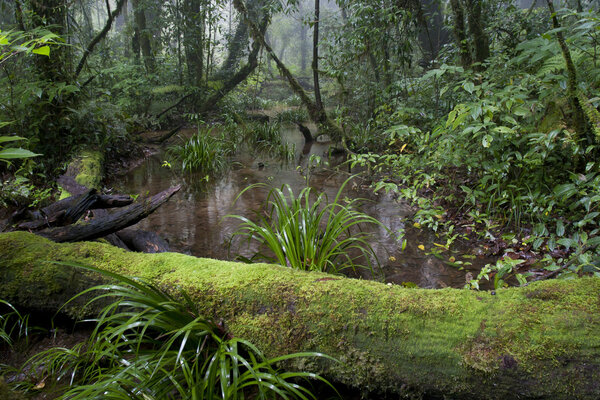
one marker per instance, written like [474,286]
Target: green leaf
[11,153]
[486,141]
[560,228]
[504,129]
[594,242]
[4,139]
[44,51]
[469,87]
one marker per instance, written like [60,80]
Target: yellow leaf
[421,247]
[392,258]
[452,259]
[44,51]
[417,225]
[403,147]
[440,245]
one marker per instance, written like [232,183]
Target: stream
[193,221]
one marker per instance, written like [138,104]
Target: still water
[194,220]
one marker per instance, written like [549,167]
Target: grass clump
[149,344]
[305,234]
[293,115]
[266,138]
[205,152]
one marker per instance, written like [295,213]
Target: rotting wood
[99,227]
[70,210]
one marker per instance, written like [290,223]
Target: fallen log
[534,342]
[70,210]
[113,222]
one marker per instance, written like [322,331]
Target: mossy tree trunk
[579,118]
[460,33]
[534,342]
[481,43]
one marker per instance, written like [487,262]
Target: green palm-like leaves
[309,235]
[148,344]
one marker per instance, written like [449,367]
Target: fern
[556,63]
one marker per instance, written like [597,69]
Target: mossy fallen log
[540,341]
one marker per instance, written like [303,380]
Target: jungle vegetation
[482,114]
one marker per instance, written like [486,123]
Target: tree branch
[100,35]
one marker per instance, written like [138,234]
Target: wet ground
[194,221]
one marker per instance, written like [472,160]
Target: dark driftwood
[70,210]
[116,241]
[143,241]
[114,222]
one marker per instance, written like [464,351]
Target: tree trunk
[317,115]
[460,33]
[481,43]
[579,118]
[111,17]
[143,36]
[534,342]
[193,42]
[315,61]
[303,44]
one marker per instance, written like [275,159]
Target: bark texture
[539,341]
[101,226]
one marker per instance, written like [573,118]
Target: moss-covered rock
[539,341]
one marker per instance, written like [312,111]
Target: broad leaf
[44,51]
[12,153]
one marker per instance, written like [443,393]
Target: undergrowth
[150,344]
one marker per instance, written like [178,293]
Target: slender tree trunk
[315,62]
[579,118]
[111,17]
[317,115]
[193,42]
[303,44]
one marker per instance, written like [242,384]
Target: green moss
[542,338]
[87,170]
[90,169]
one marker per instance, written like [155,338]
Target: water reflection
[194,222]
